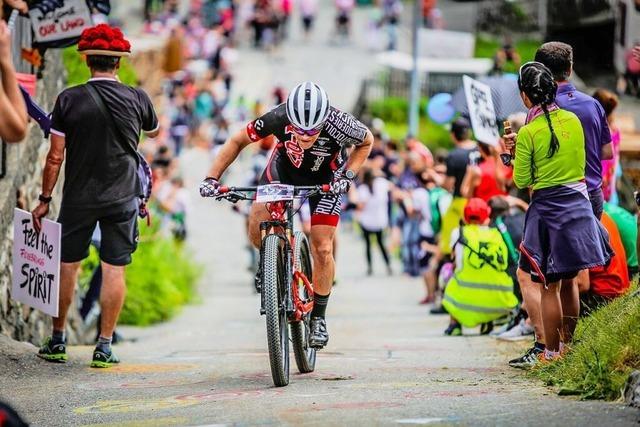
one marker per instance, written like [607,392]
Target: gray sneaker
[521,331]
[319,336]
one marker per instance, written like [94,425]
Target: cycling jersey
[290,164]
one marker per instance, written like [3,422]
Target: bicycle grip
[223,189]
[326,188]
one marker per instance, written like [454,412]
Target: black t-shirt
[317,164]
[457,163]
[99,170]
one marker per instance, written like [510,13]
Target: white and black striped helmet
[307,106]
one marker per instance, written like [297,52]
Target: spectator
[480,290]
[609,101]
[486,179]
[602,284]
[174,201]
[13,112]
[373,215]
[101,184]
[571,242]
[308,11]
[558,58]
[465,150]
[343,18]
[626,224]
[392,10]
[632,73]
[506,53]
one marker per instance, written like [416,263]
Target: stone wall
[24,175]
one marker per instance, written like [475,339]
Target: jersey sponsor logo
[294,151]
[322,141]
[317,164]
[320,153]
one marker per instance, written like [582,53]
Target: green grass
[486,47]
[78,72]
[394,112]
[607,350]
[161,279]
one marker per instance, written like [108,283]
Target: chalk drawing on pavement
[145,368]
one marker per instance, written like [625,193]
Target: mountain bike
[285,275]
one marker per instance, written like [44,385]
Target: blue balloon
[440,109]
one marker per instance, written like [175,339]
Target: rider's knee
[322,251]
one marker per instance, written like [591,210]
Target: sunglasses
[310,132]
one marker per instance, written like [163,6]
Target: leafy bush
[395,113]
[606,351]
[78,72]
[160,280]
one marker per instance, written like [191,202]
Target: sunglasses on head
[310,132]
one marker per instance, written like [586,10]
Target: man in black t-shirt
[101,182]
[312,141]
[465,151]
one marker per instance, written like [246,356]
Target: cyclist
[313,140]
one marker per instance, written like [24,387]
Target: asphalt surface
[387,362]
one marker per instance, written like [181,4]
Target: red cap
[476,211]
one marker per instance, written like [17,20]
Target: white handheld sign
[481,111]
[36,263]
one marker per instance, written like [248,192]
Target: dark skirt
[561,235]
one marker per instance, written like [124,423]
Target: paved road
[387,362]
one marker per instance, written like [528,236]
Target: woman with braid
[561,234]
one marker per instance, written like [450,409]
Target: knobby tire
[305,356]
[273,282]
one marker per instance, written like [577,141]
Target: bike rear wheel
[305,355]
[273,289]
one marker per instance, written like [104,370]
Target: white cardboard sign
[36,263]
[481,111]
[62,22]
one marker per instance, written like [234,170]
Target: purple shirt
[594,125]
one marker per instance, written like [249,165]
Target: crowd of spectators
[458,219]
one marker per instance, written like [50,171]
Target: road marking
[423,421]
[169,402]
[144,368]
[160,422]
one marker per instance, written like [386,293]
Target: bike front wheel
[273,288]
[304,354]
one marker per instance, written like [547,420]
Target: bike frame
[280,224]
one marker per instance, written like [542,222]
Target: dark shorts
[597,202]
[307,22]
[425,256]
[325,208]
[526,266]
[118,227]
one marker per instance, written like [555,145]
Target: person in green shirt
[561,234]
[627,227]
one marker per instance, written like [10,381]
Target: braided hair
[536,81]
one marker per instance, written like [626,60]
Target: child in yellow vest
[480,290]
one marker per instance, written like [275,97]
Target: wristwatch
[349,174]
[44,199]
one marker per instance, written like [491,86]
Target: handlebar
[235,194]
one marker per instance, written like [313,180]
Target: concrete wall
[24,173]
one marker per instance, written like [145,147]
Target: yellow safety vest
[480,290]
